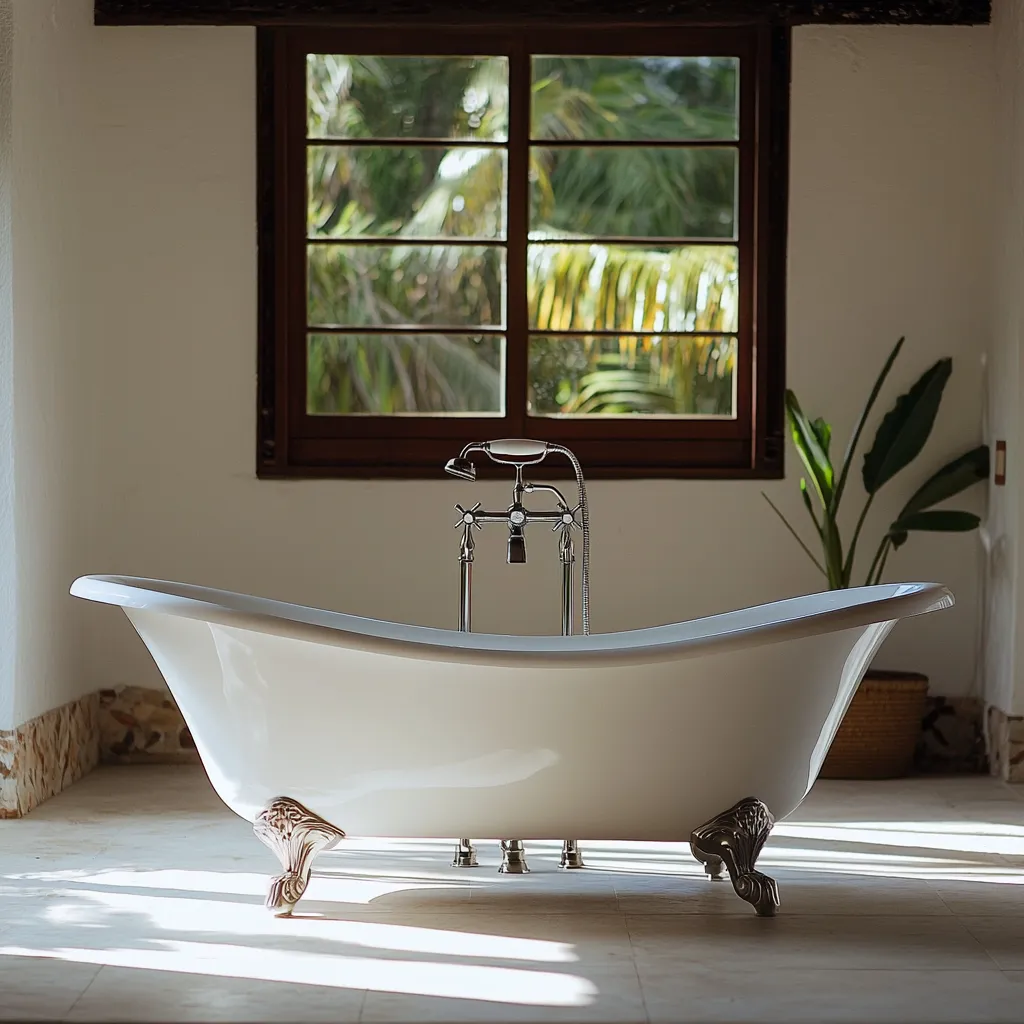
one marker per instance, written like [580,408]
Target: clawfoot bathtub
[311,722]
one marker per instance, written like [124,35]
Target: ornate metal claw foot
[513,858]
[734,838]
[296,835]
[572,855]
[465,854]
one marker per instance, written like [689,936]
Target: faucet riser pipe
[465,855]
[513,858]
[572,857]
[465,595]
[568,612]
[465,852]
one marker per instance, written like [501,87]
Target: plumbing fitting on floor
[520,453]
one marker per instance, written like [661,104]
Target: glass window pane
[635,98]
[599,287]
[685,192]
[359,285]
[405,374]
[363,97]
[632,376]
[416,191]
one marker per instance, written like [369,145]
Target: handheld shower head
[460,467]
[516,452]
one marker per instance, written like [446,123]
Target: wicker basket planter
[877,736]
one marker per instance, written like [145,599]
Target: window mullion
[518,212]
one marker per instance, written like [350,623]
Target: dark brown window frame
[293,444]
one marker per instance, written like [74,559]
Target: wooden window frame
[291,443]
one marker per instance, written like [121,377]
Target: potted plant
[879,731]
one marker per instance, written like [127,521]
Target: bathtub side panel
[391,746]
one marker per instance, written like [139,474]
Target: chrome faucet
[520,453]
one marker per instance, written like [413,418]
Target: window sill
[601,460]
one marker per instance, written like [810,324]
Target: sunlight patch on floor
[965,851]
[103,909]
[335,887]
[950,836]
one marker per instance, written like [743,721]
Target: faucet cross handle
[467,517]
[567,521]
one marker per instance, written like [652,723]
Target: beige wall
[143,178]
[8,569]
[44,412]
[1003,658]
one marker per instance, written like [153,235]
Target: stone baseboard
[1006,744]
[139,725]
[47,754]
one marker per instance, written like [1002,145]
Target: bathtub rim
[690,638]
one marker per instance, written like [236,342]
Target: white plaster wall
[43,408]
[1002,665]
[8,572]
[891,149]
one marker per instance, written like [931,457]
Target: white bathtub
[392,730]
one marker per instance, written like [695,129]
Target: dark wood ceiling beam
[592,12]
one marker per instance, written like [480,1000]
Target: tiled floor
[137,896]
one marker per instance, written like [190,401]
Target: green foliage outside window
[436,191]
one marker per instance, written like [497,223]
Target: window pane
[415,191]
[632,288]
[631,375]
[362,97]
[635,98]
[638,191]
[395,374]
[357,285]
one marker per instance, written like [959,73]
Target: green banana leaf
[934,520]
[823,432]
[899,440]
[954,477]
[859,428]
[905,429]
[812,452]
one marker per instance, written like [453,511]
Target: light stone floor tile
[1003,939]
[800,894]
[546,992]
[41,988]
[982,899]
[136,895]
[811,942]
[131,994]
[834,996]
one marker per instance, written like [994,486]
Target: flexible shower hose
[581,487]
